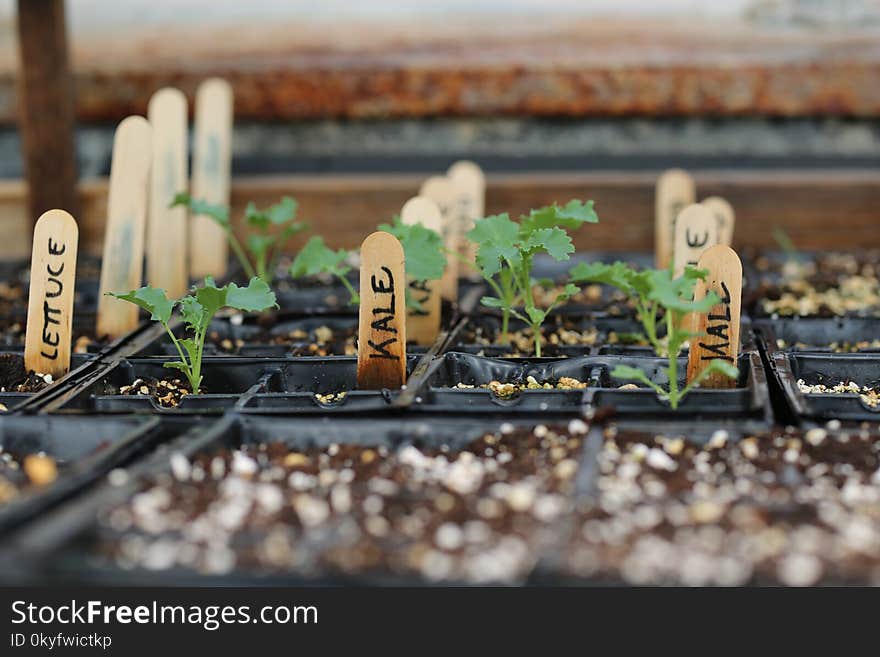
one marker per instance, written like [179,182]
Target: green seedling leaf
[554,241]
[571,216]
[278,214]
[496,238]
[256,297]
[316,258]
[722,367]
[492,302]
[218,213]
[153,300]
[422,249]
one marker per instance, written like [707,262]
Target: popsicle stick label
[440,190]
[50,300]
[382,317]
[696,229]
[720,327]
[469,195]
[123,259]
[212,153]
[725,217]
[423,325]
[166,226]
[675,191]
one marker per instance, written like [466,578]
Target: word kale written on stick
[197,310]
[658,296]
[269,231]
[505,258]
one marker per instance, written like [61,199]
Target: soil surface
[479,515]
[14,377]
[166,392]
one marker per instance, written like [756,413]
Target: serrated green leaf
[177,365]
[218,213]
[618,274]
[153,300]
[536,315]
[192,312]
[258,245]
[496,239]
[422,249]
[280,213]
[256,297]
[571,216]
[316,258]
[554,241]
[211,297]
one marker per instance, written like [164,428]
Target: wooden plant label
[723,212]
[439,189]
[212,152]
[469,194]
[50,302]
[675,191]
[167,226]
[123,260]
[720,326]
[696,229]
[422,326]
[382,326]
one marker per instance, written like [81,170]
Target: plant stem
[673,362]
[189,371]
[355,297]
[240,254]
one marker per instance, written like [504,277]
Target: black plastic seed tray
[819,335]
[13,399]
[442,392]
[283,384]
[829,370]
[70,545]
[83,449]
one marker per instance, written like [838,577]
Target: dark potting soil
[823,285]
[786,508]
[566,334]
[481,514]
[320,341]
[14,377]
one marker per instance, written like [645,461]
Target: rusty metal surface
[545,68]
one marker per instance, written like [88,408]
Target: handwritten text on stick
[50,300]
[382,317]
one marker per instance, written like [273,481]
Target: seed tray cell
[442,518]
[748,399]
[291,384]
[82,449]
[814,334]
[829,370]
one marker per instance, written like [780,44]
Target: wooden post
[721,325]
[46,110]
[725,216]
[166,226]
[696,229]
[382,325]
[422,326]
[50,301]
[123,260]
[675,191]
[469,195]
[212,154]
[439,189]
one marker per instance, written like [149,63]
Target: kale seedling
[422,248]
[317,258]
[423,251]
[270,230]
[653,291]
[197,310]
[505,255]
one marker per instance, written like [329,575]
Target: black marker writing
[52,315]
[385,316]
[719,327]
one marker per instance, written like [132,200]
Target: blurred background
[622,86]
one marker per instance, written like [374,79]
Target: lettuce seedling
[317,258]
[655,291]
[269,232]
[505,255]
[197,309]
